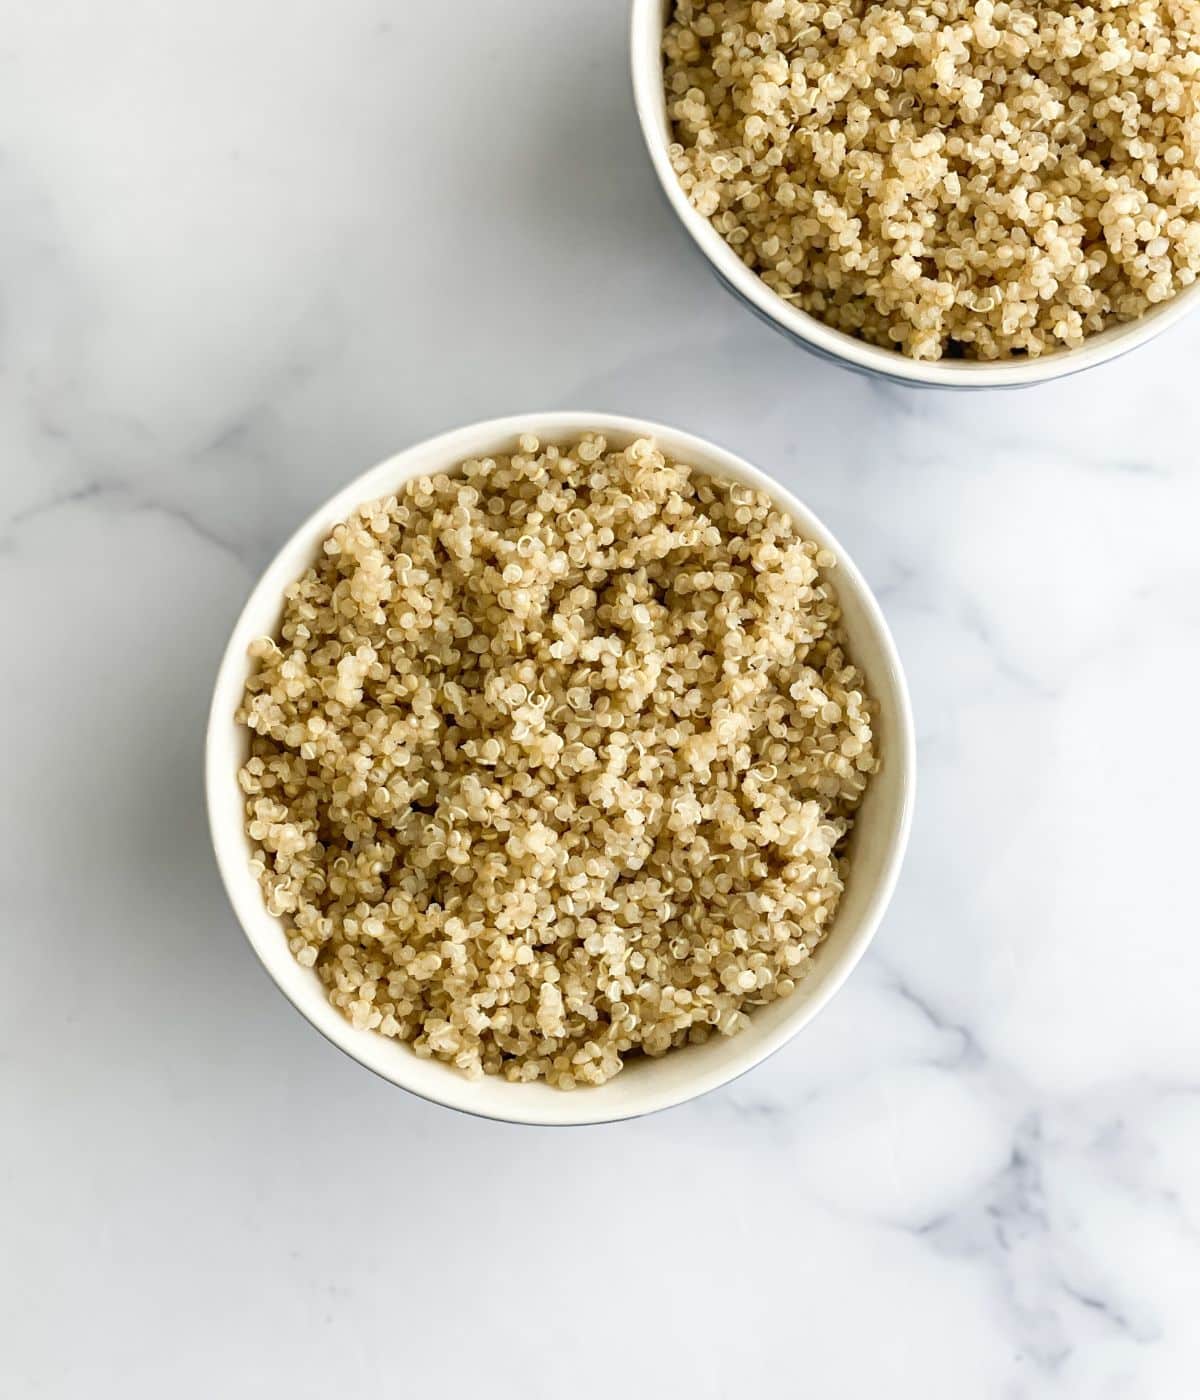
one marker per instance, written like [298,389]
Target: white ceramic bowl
[648,19]
[879,837]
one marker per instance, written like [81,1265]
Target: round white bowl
[878,839]
[647,23]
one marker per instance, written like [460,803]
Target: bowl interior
[877,841]
[648,20]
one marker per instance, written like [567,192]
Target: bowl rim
[586,1106]
[645,33]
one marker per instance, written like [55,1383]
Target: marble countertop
[246,250]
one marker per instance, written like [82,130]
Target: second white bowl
[878,840]
[646,34]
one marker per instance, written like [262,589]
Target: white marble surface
[247,249]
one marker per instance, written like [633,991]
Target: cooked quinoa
[553,760]
[955,177]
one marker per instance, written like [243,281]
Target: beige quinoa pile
[956,177]
[553,759]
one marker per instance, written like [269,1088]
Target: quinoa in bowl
[871,853]
[987,182]
[554,756]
